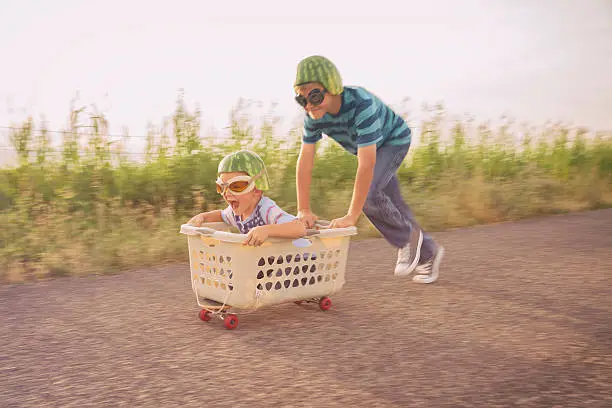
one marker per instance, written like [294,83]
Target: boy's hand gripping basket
[226,274]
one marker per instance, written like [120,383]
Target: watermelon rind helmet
[248,162]
[317,68]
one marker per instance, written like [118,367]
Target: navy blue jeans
[386,208]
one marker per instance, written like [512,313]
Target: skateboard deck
[213,304]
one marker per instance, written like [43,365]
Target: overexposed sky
[535,60]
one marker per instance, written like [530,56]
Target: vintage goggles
[315,97]
[237,185]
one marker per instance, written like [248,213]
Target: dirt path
[521,316]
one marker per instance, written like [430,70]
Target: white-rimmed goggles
[237,185]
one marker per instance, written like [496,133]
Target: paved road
[521,316]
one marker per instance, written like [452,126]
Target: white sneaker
[430,270]
[408,256]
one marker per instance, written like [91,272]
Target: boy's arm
[366,158]
[210,216]
[303,170]
[368,127]
[291,229]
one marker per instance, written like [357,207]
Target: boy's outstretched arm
[303,171]
[258,235]
[210,216]
[366,157]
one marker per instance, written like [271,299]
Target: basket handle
[189,229]
[322,223]
[232,237]
[207,232]
[222,235]
[334,232]
[323,232]
[318,224]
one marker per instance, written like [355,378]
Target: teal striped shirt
[363,120]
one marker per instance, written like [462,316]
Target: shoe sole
[415,261]
[435,269]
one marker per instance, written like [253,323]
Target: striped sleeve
[228,216]
[367,123]
[273,214]
[311,134]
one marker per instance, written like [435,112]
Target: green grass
[87,207]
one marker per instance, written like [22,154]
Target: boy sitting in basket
[242,179]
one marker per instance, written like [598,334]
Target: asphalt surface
[521,316]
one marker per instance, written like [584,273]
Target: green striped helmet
[247,162]
[319,69]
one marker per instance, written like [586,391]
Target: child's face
[314,111]
[239,201]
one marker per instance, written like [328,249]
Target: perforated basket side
[288,273]
[248,277]
[212,268]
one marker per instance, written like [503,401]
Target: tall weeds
[91,206]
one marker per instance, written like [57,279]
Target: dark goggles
[315,97]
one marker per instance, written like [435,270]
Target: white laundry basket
[232,275]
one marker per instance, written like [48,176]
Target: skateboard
[211,308]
